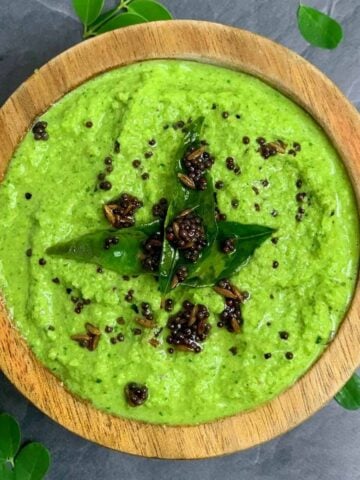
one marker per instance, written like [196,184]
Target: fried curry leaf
[218,265]
[318,28]
[349,395]
[123,258]
[9,437]
[170,255]
[201,202]
[192,139]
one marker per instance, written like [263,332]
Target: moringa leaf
[318,28]
[88,10]
[123,258]
[101,20]
[218,265]
[121,20]
[32,463]
[349,395]
[9,437]
[127,13]
[150,9]
[6,473]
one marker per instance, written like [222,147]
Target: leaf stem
[91,32]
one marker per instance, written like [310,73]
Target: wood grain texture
[238,50]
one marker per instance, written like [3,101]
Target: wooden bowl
[290,74]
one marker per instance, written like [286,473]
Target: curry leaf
[150,10]
[170,256]
[191,139]
[88,10]
[121,20]
[319,29]
[123,258]
[9,437]
[349,395]
[32,463]
[203,202]
[217,265]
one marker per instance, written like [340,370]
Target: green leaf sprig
[31,462]
[318,28]
[127,12]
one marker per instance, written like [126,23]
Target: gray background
[326,446]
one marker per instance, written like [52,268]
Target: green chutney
[300,281]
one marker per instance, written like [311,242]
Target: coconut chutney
[299,283]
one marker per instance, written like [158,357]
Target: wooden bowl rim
[290,74]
